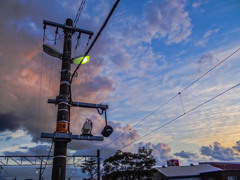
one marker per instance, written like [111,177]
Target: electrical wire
[97,36]
[92,44]
[158,108]
[84,47]
[60,37]
[191,110]
[218,64]
[49,152]
[39,101]
[6,172]
[49,84]
[79,13]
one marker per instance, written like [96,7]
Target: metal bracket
[65,27]
[69,136]
[81,104]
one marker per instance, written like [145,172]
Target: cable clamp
[66,82]
[66,70]
[64,121]
[62,102]
[63,110]
[60,156]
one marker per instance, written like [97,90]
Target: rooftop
[195,170]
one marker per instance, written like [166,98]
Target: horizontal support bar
[46,156]
[67,136]
[52,101]
[89,105]
[67,27]
[81,104]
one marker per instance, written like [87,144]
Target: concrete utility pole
[60,147]
[98,164]
[62,135]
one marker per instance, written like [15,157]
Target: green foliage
[89,167]
[129,166]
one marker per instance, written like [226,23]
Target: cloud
[168,19]
[24,69]
[207,35]
[196,4]
[37,150]
[121,136]
[186,155]
[218,152]
[161,151]
[206,61]
[16,134]
[210,32]
[237,147]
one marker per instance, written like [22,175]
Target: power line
[191,110]
[95,39]
[49,84]
[40,95]
[214,67]
[92,44]
[49,152]
[211,69]
[79,13]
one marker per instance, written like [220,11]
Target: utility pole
[40,170]
[62,135]
[98,164]
[60,147]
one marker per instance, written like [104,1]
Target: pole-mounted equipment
[63,135]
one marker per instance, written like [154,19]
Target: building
[203,171]
[192,172]
[231,171]
[224,165]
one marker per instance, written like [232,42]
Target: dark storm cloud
[37,150]
[218,152]
[186,155]
[21,61]
[9,121]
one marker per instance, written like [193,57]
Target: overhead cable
[158,108]
[79,13]
[191,110]
[95,39]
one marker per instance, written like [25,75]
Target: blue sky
[148,53]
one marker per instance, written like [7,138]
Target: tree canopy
[129,166]
[89,167]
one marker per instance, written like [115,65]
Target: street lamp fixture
[79,59]
[52,51]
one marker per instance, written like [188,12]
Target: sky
[168,70]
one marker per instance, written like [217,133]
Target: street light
[52,51]
[79,59]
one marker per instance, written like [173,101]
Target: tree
[89,167]
[129,166]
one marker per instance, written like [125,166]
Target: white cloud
[18,133]
[206,37]
[168,19]
[161,151]
[210,32]
[196,4]
[218,152]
